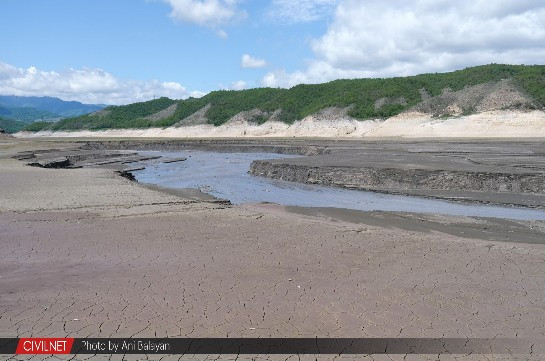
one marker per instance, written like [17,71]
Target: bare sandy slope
[86,253]
[492,124]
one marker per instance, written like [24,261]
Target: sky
[124,51]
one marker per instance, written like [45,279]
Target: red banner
[44,346]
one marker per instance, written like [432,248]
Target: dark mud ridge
[389,179]
[208,145]
[411,181]
[80,158]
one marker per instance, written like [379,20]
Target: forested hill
[456,93]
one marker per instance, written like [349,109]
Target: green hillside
[302,100]
[11,126]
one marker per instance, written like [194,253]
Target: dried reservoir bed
[506,172]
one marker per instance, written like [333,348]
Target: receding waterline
[225,175]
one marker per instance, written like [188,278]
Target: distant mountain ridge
[55,107]
[27,114]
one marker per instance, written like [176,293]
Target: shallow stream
[225,175]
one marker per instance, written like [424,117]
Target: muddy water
[225,175]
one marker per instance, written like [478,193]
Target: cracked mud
[87,253]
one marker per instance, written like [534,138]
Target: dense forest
[11,126]
[302,100]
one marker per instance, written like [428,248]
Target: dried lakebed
[87,253]
[226,176]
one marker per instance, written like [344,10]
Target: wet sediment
[405,181]
[490,172]
[230,146]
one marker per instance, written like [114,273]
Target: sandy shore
[88,253]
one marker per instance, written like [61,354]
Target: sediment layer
[492,172]
[397,180]
[209,145]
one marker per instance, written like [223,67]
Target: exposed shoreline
[491,124]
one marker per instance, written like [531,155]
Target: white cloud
[396,38]
[250,62]
[289,11]
[85,85]
[238,85]
[208,13]
[222,34]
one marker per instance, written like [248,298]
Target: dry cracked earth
[86,253]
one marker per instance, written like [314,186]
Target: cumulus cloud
[289,11]
[208,13]
[85,85]
[238,85]
[249,61]
[396,38]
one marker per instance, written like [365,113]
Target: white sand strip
[493,124]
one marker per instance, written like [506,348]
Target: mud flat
[89,253]
[504,172]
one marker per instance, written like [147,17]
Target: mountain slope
[26,114]
[463,92]
[56,106]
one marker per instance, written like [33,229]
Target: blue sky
[137,39]
[120,51]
